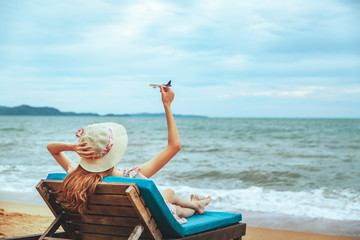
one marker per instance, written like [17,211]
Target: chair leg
[138,230]
[53,226]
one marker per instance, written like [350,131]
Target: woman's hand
[83,150]
[167,95]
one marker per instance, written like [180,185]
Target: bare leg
[184,212]
[198,206]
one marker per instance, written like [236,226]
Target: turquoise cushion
[166,222]
[210,220]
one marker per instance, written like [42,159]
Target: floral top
[133,172]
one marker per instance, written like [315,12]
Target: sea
[292,174]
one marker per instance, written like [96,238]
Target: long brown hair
[78,188]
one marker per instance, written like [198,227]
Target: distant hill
[26,110]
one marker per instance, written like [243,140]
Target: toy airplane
[158,85]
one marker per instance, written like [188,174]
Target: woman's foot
[194,197]
[200,203]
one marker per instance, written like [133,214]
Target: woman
[100,148]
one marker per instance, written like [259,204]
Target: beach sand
[17,219]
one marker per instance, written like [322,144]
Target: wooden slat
[108,210]
[106,199]
[92,236]
[55,238]
[113,188]
[230,232]
[120,200]
[104,187]
[61,234]
[141,210]
[103,229]
[105,220]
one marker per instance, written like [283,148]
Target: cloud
[213,51]
[302,92]
[327,93]
[286,92]
[351,91]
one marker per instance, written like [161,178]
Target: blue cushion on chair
[166,222]
[210,220]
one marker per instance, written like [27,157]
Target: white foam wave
[15,178]
[318,203]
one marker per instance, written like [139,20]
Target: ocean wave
[14,178]
[318,203]
[211,175]
[8,169]
[203,149]
[264,178]
[12,129]
[269,178]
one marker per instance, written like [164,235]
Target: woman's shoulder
[117,172]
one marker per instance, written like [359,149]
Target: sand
[17,219]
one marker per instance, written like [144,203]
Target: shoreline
[18,219]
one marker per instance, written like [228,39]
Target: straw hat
[108,141]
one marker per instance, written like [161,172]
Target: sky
[249,58]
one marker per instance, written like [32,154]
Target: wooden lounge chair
[124,208]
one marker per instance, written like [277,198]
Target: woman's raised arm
[154,165]
[57,150]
